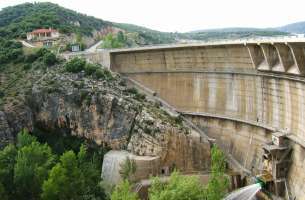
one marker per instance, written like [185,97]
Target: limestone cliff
[109,113]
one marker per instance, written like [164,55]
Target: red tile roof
[43,30]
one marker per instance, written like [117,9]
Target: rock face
[6,135]
[12,120]
[110,114]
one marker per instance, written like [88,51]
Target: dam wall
[237,93]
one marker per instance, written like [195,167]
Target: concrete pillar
[298,55]
[256,55]
[285,55]
[271,57]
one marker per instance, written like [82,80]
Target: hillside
[230,34]
[16,21]
[155,37]
[298,27]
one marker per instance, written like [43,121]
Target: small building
[75,47]
[42,34]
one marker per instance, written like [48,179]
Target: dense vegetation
[115,41]
[10,51]
[16,21]
[76,65]
[181,187]
[150,36]
[35,170]
[17,66]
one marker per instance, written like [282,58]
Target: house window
[47,44]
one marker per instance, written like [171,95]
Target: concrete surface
[238,92]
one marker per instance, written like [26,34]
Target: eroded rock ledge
[110,114]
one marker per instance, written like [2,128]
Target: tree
[3,193]
[56,185]
[218,182]
[7,163]
[49,59]
[123,192]
[75,65]
[91,68]
[65,180]
[121,37]
[32,165]
[31,172]
[10,51]
[24,139]
[75,177]
[178,188]
[91,175]
[111,41]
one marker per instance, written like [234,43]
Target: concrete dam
[249,97]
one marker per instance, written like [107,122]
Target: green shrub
[108,74]
[14,53]
[91,68]
[123,191]
[99,74]
[30,58]
[41,52]
[178,120]
[140,97]
[10,51]
[132,90]
[3,59]
[27,66]
[178,187]
[19,59]
[103,74]
[218,181]
[75,65]
[1,94]
[111,41]
[49,59]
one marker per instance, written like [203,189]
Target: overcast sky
[187,15]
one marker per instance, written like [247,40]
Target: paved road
[94,47]
[26,44]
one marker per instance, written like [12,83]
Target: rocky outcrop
[6,134]
[13,119]
[110,114]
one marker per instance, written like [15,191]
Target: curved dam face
[238,94]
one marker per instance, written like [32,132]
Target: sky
[187,15]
